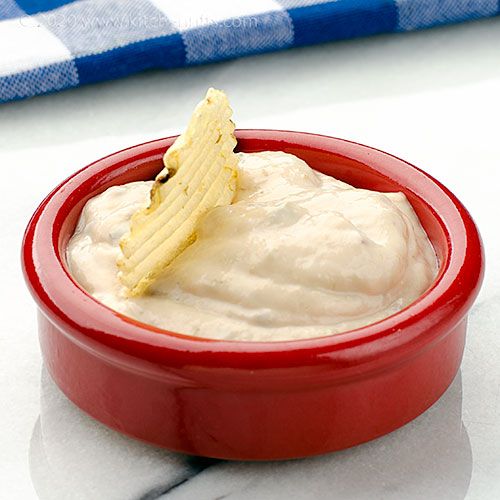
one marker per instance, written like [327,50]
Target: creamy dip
[298,254]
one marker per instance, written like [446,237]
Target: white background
[432,98]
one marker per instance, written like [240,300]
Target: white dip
[298,254]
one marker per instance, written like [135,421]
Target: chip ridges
[200,173]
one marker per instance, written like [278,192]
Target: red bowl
[255,400]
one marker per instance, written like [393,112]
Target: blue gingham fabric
[50,45]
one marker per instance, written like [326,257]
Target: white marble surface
[432,98]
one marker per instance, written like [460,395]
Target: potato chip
[200,174]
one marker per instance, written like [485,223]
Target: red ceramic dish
[255,400]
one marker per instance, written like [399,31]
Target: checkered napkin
[50,45]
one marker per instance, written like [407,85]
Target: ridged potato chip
[201,171]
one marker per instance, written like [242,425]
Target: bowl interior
[368,173]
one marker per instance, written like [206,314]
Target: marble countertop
[432,98]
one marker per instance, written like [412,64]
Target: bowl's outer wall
[249,425]
[255,401]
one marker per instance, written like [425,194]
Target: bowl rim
[348,354]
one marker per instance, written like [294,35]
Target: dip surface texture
[297,255]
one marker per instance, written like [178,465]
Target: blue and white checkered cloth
[50,45]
